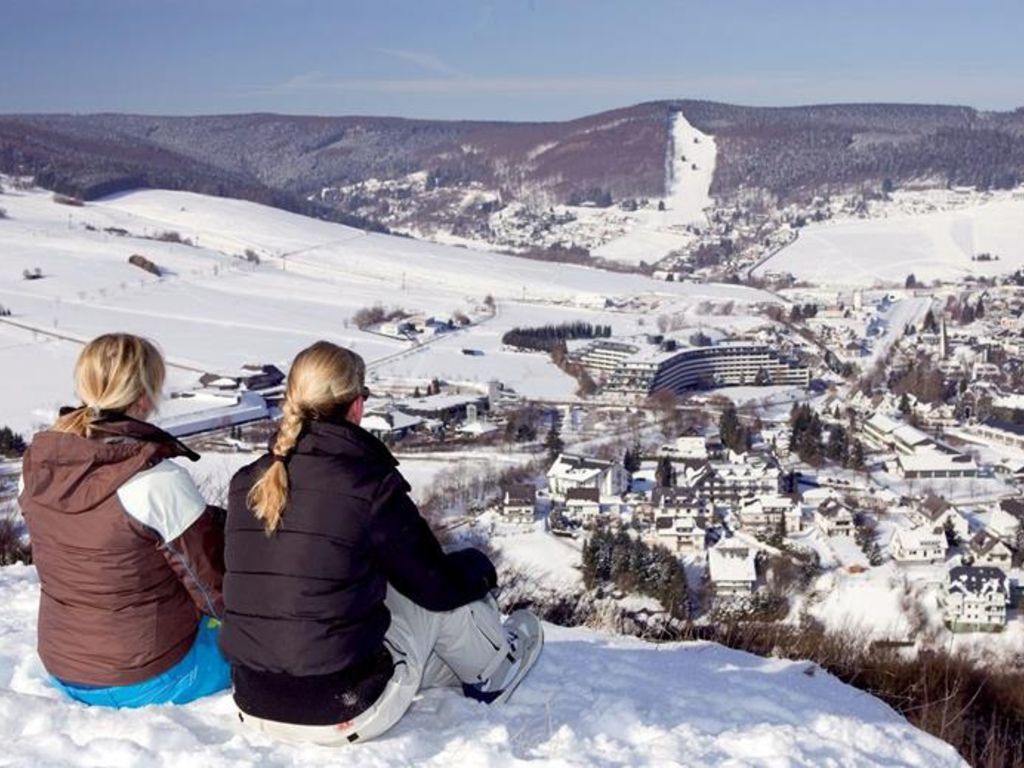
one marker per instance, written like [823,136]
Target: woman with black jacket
[340,603]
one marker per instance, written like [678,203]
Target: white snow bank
[591,701]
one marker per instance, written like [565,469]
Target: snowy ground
[214,311]
[552,561]
[656,233]
[937,245]
[592,700]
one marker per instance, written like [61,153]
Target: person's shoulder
[246,476]
[163,498]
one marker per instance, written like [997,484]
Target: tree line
[547,338]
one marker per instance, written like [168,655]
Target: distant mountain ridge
[323,165]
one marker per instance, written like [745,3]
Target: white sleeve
[163,498]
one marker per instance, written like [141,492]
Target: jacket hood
[73,474]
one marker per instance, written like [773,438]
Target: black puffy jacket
[304,607]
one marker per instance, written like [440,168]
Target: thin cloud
[426,61]
[314,82]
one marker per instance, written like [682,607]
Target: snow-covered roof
[919,538]
[577,468]
[911,436]
[731,562]
[477,428]
[977,580]
[884,424]
[936,461]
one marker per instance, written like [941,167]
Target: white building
[570,471]
[723,364]
[910,546]
[834,518]
[732,569]
[975,599]
[682,535]
[1005,523]
[932,463]
[987,549]
[518,504]
[937,518]
[583,504]
[763,515]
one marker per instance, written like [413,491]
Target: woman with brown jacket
[130,558]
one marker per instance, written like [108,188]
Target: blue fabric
[201,672]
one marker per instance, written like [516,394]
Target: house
[518,503]
[1007,520]
[911,546]
[252,377]
[679,502]
[765,515]
[682,535]
[749,477]
[974,599]
[987,549]
[571,471]
[446,408]
[583,504]
[937,517]
[732,569]
[834,518]
[387,423]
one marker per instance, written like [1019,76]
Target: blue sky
[508,60]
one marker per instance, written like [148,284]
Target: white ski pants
[430,649]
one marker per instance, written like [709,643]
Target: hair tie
[95,411]
[275,457]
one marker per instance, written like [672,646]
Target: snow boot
[525,639]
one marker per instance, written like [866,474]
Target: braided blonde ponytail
[323,379]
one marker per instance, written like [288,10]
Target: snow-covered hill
[935,245]
[215,310]
[592,700]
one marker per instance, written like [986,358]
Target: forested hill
[291,161]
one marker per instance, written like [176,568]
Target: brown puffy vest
[112,609]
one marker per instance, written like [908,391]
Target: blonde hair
[111,374]
[324,381]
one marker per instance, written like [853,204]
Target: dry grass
[979,710]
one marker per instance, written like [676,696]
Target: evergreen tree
[665,474]
[553,442]
[855,458]
[733,433]
[631,459]
[11,443]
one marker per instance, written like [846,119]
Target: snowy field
[654,234]
[592,700]
[213,310]
[937,245]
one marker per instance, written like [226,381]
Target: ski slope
[931,246]
[592,700]
[656,233]
[214,311]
